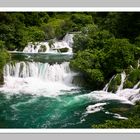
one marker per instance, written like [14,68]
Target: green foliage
[91,37]
[120,55]
[134,76]
[4,57]
[96,75]
[17,29]
[89,63]
[82,42]
[56,28]
[80,20]
[98,49]
[132,122]
[128,84]
[2,45]
[121,24]
[35,18]
[36,34]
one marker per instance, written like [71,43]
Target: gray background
[69,136]
[69,3]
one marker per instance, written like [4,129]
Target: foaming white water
[37,78]
[132,95]
[116,115]
[106,96]
[95,108]
[103,96]
[100,106]
[136,86]
[53,48]
[123,76]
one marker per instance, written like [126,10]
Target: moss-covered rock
[78,80]
[134,76]
[128,84]
[42,48]
[62,50]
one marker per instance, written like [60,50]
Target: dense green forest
[106,43]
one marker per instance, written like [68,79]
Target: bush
[36,34]
[4,57]
[96,49]
[89,62]
[80,20]
[134,76]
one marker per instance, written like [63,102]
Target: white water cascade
[44,47]
[38,78]
[131,95]
[107,85]
[126,96]
[123,76]
[49,80]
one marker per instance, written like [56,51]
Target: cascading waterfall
[38,78]
[128,96]
[132,95]
[43,78]
[107,85]
[123,76]
[136,86]
[44,47]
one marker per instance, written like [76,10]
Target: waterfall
[44,71]
[44,47]
[49,80]
[37,78]
[123,76]
[69,39]
[131,95]
[107,85]
[136,86]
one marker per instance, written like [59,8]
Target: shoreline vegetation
[105,45]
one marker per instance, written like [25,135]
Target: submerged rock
[62,50]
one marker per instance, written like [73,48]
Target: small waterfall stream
[44,47]
[132,94]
